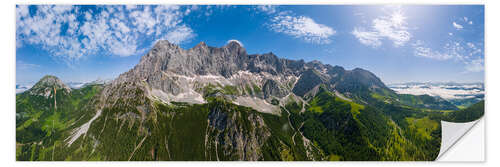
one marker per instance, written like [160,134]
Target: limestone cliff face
[171,73]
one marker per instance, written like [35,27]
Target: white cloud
[122,48]
[421,50]
[62,8]
[466,20]
[269,9]
[115,30]
[457,26]
[45,29]
[391,27]
[143,20]
[470,54]
[471,45]
[130,7]
[297,26]
[121,26]
[179,35]
[88,16]
[473,49]
[22,11]
[367,38]
[467,53]
[302,27]
[476,65]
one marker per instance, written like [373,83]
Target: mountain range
[210,103]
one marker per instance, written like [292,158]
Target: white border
[7,67]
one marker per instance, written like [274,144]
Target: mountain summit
[47,85]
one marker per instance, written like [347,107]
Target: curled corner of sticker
[451,132]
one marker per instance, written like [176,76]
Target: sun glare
[397,18]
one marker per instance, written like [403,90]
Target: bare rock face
[171,73]
[272,88]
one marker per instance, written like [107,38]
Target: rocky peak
[315,62]
[234,43]
[368,78]
[201,45]
[47,84]
[338,68]
[317,65]
[163,44]
[50,80]
[235,46]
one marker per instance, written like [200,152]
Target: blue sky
[397,43]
